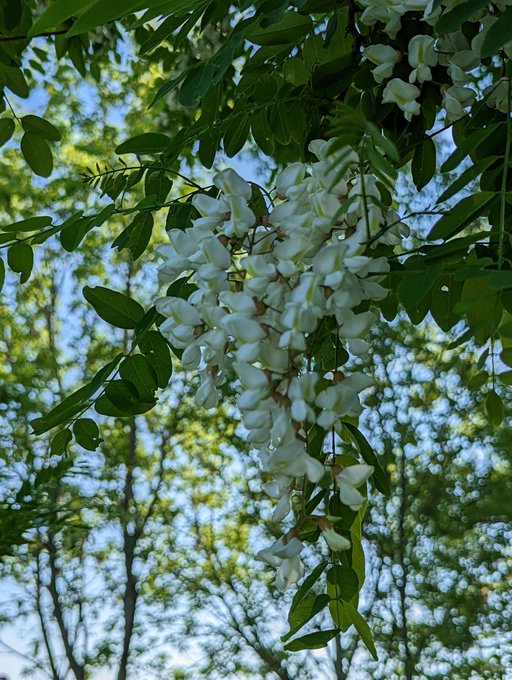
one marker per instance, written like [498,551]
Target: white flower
[348,480]
[422,56]
[456,100]
[385,58]
[291,176]
[403,95]
[290,571]
[335,541]
[231,184]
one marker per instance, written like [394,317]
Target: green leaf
[57,13]
[304,612]
[20,258]
[415,285]
[37,153]
[156,350]
[476,381]
[452,20]
[147,143]
[7,127]
[30,224]
[469,175]
[462,215]
[87,433]
[75,402]
[236,134]
[60,442]
[2,273]
[114,307]
[72,235]
[312,641]
[13,78]
[290,30]
[342,583]
[196,84]
[423,164]
[494,408]
[498,35]
[306,586]
[139,233]
[123,395]
[369,457]
[505,377]
[506,356]
[101,12]
[41,127]
[157,184]
[138,371]
[468,145]
[363,629]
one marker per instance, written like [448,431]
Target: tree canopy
[294,328]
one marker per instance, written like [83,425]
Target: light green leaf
[363,629]
[306,586]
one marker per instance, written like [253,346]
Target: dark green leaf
[498,34]
[469,143]
[2,274]
[196,84]
[469,175]
[60,442]
[415,285]
[462,215]
[139,233]
[114,307]
[147,143]
[20,258]
[452,20]
[291,29]
[369,457]
[57,13]
[41,127]
[30,224]
[236,134]
[123,395]
[156,350]
[87,433]
[7,127]
[37,153]
[138,371]
[312,641]
[494,408]
[157,184]
[423,164]
[343,581]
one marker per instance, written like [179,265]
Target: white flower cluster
[265,287]
[459,56]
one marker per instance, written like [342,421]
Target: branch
[13,38]
[40,613]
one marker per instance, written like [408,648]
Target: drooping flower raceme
[264,288]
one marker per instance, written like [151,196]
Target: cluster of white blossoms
[266,287]
[458,55]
